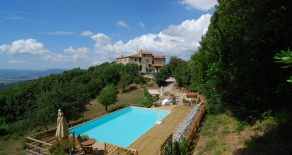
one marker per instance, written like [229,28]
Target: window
[147,60]
[135,59]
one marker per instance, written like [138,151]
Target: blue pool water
[122,127]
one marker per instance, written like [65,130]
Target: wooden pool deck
[150,142]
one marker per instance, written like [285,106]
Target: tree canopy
[108,96]
[177,68]
[234,64]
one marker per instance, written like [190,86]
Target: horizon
[50,35]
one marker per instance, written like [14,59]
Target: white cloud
[101,39]
[123,24]
[14,61]
[31,47]
[180,40]
[3,48]
[86,33]
[58,33]
[25,47]
[141,24]
[199,4]
[77,53]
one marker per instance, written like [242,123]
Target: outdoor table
[88,142]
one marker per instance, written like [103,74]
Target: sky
[46,34]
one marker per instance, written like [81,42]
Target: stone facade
[147,62]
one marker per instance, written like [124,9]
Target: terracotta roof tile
[159,56]
[157,65]
[135,56]
[144,52]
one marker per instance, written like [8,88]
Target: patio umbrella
[62,127]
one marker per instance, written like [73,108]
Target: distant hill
[8,76]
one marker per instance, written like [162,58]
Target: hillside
[32,105]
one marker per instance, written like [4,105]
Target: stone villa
[147,62]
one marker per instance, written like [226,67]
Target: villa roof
[157,65]
[139,55]
[145,52]
[135,56]
[159,56]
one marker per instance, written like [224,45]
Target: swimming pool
[122,127]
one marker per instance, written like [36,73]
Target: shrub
[61,147]
[84,138]
[148,97]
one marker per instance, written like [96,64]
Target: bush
[177,148]
[83,138]
[148,97]
[61,147]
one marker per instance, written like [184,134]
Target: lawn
[134,96]
[223,134]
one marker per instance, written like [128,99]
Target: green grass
[134,96]
[214,132]
[223,134]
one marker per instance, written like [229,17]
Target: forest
[34,104]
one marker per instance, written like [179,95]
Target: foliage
[108,96]
[234,65]
[83,138]
[61,147]
[149,98]
[182,74]
[177,148]
[285,57]
[177,68]
[162,75]
[35,103]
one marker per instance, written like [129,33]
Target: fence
[111,149]
[166,147]
[34,146]
[196,123]
[191,130]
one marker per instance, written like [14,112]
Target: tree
[234,65]
[285,57]
[177,68]
[182,74]
[108,96]
[129,73]
[162,75]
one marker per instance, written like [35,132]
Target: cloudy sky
[66,34]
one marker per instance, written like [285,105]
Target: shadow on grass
[277,140]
